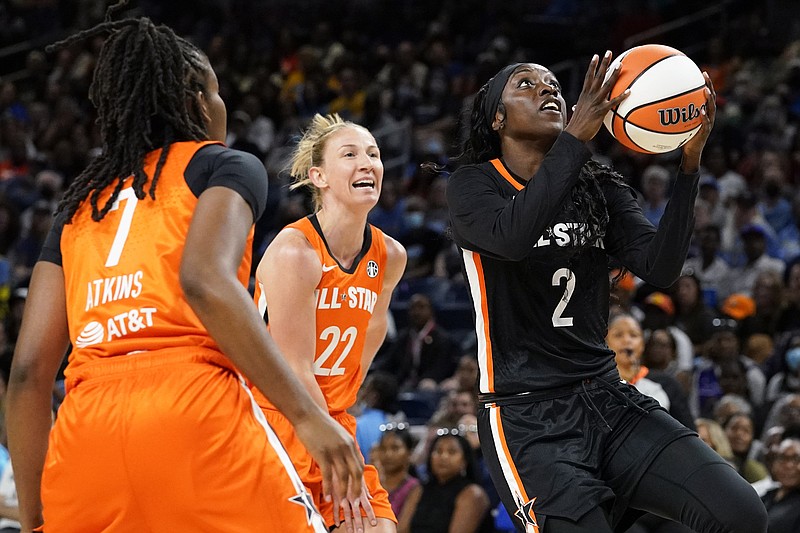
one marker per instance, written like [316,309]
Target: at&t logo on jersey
[372,269]
[117,326]
[92,333]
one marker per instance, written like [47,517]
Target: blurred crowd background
[722,345]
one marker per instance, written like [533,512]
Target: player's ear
[499,117]
[202,103]
[318,177]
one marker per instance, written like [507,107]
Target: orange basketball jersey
[122,273]
[345,300]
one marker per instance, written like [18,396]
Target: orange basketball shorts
[312,475]
[168,442]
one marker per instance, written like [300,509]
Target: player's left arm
[376,331]
[42,343]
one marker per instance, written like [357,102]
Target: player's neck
[522,158]
[344,233]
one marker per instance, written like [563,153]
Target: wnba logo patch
[372,269]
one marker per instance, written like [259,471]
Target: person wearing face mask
[422,242]
[787,380]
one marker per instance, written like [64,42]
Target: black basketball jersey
[540,310]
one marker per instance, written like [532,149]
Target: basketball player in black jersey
[571,447]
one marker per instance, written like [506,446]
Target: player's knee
[748,515]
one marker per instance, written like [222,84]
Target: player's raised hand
[336,453]
[593,103]
[693,148]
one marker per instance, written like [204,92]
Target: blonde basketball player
[329,316]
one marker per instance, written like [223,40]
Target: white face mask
[793,359]
[414,219]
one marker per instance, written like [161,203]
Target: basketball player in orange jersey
[143,272]
[329,315]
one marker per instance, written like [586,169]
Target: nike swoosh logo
[326,268]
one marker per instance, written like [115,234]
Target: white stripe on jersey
[475,288]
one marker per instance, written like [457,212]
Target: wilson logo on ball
[673,115]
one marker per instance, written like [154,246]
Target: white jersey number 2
[333,335]
[560,321]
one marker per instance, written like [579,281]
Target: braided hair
[588,200]
[144,89]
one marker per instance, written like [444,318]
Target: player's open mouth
[551,105]
[361,184]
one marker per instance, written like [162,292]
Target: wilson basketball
[663,110]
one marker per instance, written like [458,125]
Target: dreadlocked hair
[144,89]
[483,143]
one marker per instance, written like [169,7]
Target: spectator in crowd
[754,237]
[375,407]
[773,205]
[389,213]
[789,317]
[692,314]
[768,297]
[787,380]
[712,433]
[26,250]
[655,186]
[659,312]
[625,338]
[744,215]
[789,236]
[783,502]
[709,267]
[422,241]
[423,355]
[717,163]
[660,357]
[729,405]
[716,209]
[398,475]
[465,377]
[451,499]
[723,369]
[785,412]
[740,431]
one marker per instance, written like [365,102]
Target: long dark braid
[144,89]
